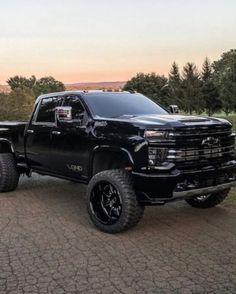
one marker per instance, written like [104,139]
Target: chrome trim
[195,154]
[56,133]
[214,132]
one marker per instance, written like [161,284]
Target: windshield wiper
[124,115]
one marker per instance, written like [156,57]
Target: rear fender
[6,146]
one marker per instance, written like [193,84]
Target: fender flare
[109,148]
[3,140]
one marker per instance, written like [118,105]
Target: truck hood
[172,121]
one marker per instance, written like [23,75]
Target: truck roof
[79,92]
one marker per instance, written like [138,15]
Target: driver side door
[70,142]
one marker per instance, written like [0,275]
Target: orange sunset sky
[79,41]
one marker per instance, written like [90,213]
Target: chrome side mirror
[174,109]
[64,113]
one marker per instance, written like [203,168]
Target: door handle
[30,131]
[81,127]
[56,133]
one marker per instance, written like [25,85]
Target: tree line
[18,104]
[210,90]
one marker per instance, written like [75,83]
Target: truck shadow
[58,198]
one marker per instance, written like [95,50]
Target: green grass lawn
[231,118]
[232,196]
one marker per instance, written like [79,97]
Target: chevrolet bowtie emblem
[210,141]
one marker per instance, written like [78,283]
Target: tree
[191,86]
[206,70]
[151,85]
[17,105]
[225,78]
[209,90]
[47,85]
[3,102]
[174,86]
[20,81]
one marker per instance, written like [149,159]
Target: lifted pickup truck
[129,150]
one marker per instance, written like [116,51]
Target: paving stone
[48,245]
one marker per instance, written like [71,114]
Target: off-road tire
[131,212]
[212,201]
[9,176]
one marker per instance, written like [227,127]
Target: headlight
[156,156]
[151,134]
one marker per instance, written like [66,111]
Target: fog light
[151,162]
[157,156]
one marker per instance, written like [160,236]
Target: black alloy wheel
[106,203]
[111,201]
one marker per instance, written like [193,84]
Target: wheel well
[104,160]
[5,147]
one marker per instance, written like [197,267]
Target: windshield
[112,105]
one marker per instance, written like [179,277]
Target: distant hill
[83,86]
[96,86]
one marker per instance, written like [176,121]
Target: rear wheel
[208,201]
[9,176]
[112,203]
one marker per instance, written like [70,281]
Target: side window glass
[46,112]
[77,107]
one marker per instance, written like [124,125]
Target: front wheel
[208,201]
[112,203]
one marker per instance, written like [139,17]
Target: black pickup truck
[129,150]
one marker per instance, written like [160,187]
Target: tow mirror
[174,109]
[64,113]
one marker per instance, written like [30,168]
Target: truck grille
[191,148]
[202,147]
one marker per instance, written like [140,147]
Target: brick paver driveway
[47,245]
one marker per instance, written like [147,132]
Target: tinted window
[77,107]
[46,112]
[120,104]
